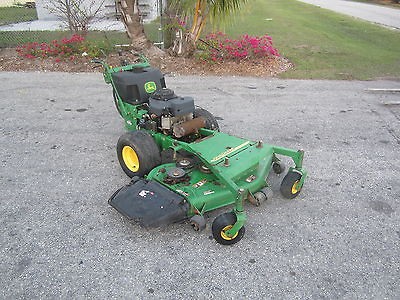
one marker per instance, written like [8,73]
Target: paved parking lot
[339,239]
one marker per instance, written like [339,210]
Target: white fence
[7,3]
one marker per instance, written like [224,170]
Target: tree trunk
[185,43]
[199,20]
[134,28]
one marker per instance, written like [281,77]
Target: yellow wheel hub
[130,158]
[223,234]
[295,187]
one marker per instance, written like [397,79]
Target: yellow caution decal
[229,151]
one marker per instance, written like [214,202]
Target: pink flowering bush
[218,47]
[175,24]
[66,48]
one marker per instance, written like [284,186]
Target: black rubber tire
[146,150]
[134,179]
[289,189]
[278,167]
[211,122]
[198,223]
[220,224]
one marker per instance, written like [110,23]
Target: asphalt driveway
[339,239]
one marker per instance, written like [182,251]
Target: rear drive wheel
[221,225]
[211,122]
[290,186]
[137,153]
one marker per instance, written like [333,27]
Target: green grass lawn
[9,15]
[322,44]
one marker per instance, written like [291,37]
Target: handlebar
[125,65]
[108,70]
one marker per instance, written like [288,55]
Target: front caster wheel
[290,186]
[198,223]
[278,167]
[221,225]
[262,196]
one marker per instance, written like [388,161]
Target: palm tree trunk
[185,44]
[199,20]
[203,9]
[134,27]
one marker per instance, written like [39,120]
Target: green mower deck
[181,165]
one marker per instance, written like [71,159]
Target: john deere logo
[150,87]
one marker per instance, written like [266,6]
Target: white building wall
[42,12]
[8,3]
[149,9]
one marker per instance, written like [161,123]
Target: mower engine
[172,115]
[167,113]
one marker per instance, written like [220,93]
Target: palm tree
[134,27]
[199,11]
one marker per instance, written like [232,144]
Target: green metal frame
[130,113]
[230,167]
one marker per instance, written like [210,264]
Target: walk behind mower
[181,166]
